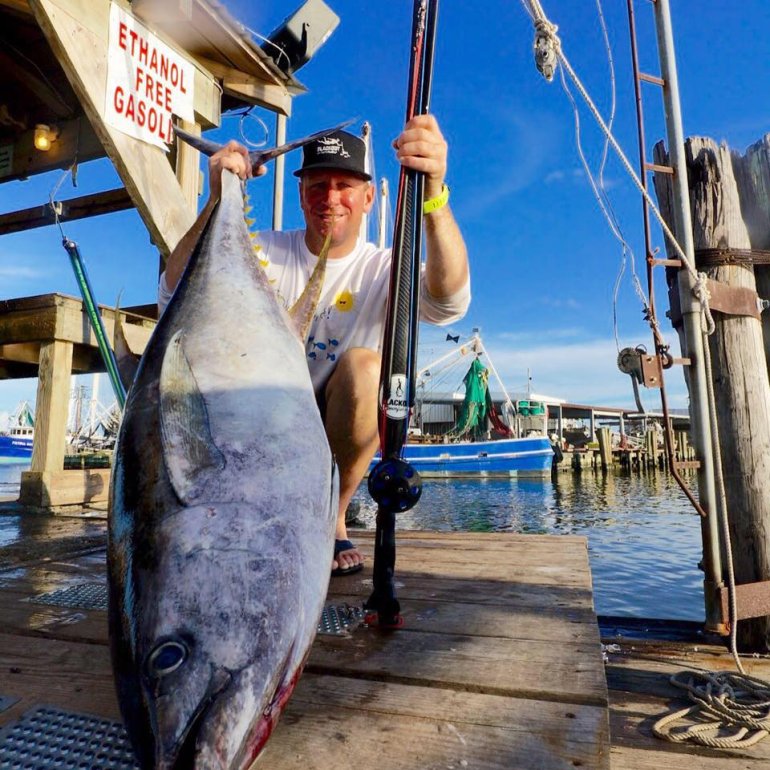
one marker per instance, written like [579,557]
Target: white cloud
[581,371]
[568,303]
[19,273]
[562,175]
[563,362]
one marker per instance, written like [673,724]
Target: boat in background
[16,444]
[530,457]
[479,440]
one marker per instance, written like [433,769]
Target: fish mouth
[179,754]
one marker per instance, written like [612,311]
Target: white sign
[397,408]
[146,82]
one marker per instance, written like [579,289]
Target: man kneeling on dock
[344,343]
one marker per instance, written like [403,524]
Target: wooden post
[651,445]
[605,447]
[188,167]
[739,374]
[51,408]
[752,174]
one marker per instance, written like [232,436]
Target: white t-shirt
[352,305]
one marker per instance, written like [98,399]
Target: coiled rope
[733,711]
[729,700]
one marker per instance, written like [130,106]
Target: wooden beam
[11,370]
[25,352]
[73,208]
[163,10]
[249,87]
[234,48]
[20,6]
[188,167]
[262,95]
[50,489]
[76,141]
[77,31]
[13,69]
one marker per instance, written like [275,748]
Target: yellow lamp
[44,137]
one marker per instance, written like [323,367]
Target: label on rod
[397,407]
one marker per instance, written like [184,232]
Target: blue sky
[544,261]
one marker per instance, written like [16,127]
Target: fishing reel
[395,485]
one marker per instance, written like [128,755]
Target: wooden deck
[499,665]
[640,693]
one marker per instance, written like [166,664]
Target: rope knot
[547,46]
[701,293]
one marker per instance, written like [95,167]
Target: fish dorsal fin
[188,449]
[127,360]
[301,313]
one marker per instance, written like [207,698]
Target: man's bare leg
[351,425]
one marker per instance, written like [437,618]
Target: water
[643,536]
[10,479]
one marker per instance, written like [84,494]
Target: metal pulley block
[651,370]
[643,367]
[629,363]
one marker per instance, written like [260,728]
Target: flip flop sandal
[339,547]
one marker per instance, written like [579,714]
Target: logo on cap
[331,146]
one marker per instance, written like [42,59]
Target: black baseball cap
[338,151]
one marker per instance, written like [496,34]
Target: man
[343,347]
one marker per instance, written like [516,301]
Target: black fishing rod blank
[393,483]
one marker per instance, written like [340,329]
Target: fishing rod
[107,354]
[393,483]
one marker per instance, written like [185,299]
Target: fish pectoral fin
[127,360]
[303,310]
[189,452]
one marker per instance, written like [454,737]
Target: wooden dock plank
[498,666]
[71,675]
[347,724]
[564,672]
[641,693]
[570,625]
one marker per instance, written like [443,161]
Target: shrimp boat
[16,444]
[474,436]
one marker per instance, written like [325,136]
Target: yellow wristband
[434,204]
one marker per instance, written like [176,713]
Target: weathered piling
[605,448]
[739,373]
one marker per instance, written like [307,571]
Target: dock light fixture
[295,41]
[45,136]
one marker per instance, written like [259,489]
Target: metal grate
[339,619]
[87,596]
[49,738]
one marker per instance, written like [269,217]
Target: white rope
[606,208]
[730,711]
[722,502]
[544,27]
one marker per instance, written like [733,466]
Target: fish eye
[166,658]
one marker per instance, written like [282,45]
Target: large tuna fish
[222,514]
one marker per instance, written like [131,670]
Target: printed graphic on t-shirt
[320,349]
[325,340]
[344,301]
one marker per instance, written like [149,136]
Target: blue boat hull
[519,457]
[15,450]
